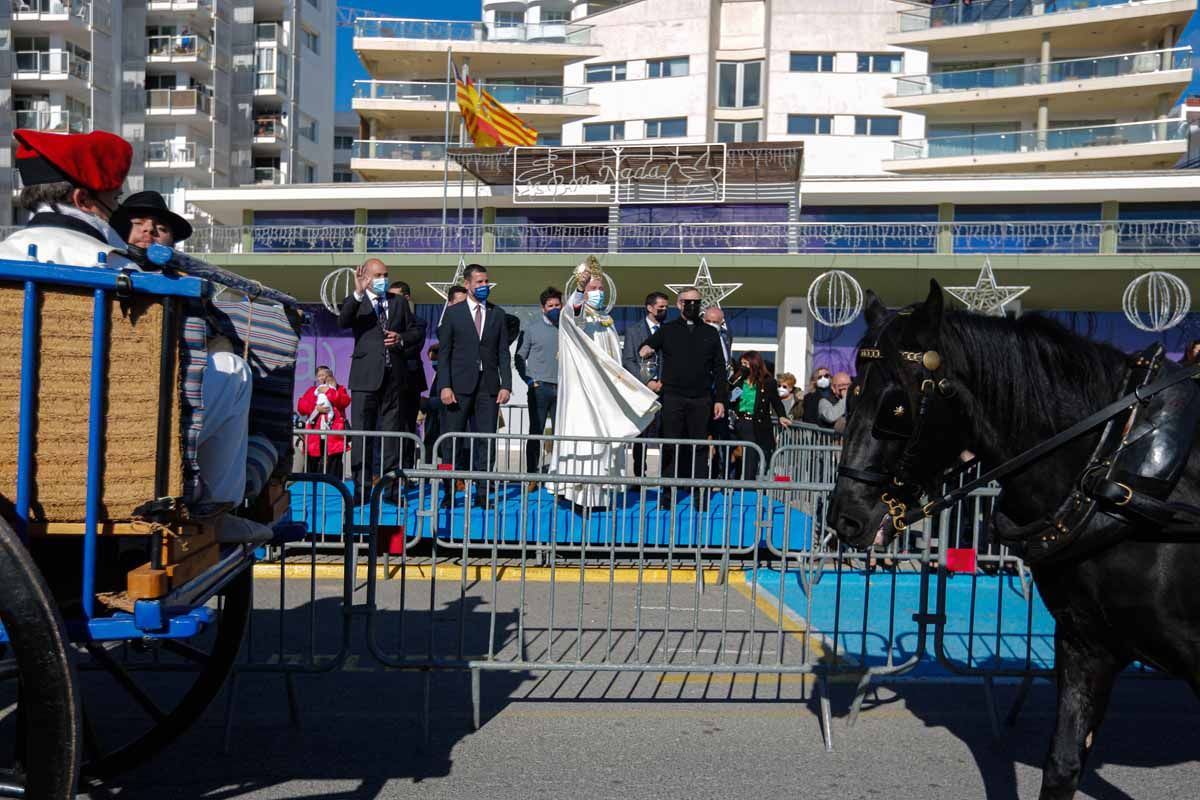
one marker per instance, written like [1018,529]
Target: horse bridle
[895,420]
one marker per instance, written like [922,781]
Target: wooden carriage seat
[64,374]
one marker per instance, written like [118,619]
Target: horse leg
[1085,678]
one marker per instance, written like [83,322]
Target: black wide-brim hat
[149,204]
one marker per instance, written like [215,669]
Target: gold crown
[590,266]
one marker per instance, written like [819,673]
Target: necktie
[381,314]
[479,320]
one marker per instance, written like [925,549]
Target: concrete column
[1164,111]
[1109,213]
[1168,37]
[247,230]
[945,238]
[488,244]
[373,130]
[360,230]
[1045,58]
[1043,122]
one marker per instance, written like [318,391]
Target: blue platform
[1008,632]
[731,521]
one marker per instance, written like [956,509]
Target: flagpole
[446,146]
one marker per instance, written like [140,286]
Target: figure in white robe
[597,396]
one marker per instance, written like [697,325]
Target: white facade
[180,80]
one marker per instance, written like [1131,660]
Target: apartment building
[211,93]
[1036,85]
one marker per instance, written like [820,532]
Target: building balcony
[417,106]
[268,175]
[1130,81]
[269,34]
[1130,146]
[380,160]
[33,69]
[61,16]
[54,120]
[1014,26]
[188,51]
[178,102]
[178,157]
[270,131]
[188,7]
[408,47]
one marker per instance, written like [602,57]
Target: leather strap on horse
[1139,395]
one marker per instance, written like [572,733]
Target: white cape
[597,397]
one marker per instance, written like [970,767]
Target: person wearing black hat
[144,219]
[71,185]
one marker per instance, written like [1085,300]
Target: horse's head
[903,431]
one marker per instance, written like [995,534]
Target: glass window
[343,142]
[877,126]
[667,67]
[604,73]
[343,176]
[810,124]
[557,17]
[550,139]
[737,131]
[739,84]
[812,62]
[880,62]
[672,128]
[311,40]
[509,19]
[604,132]
[309,128]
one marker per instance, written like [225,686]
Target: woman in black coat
[754,398]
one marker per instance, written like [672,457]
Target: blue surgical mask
[595,298]
[482,292]
[379,286]
[553,315]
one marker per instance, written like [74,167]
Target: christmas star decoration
[442,288]
[711,294]
[985,296]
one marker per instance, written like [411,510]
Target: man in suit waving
[384,326]
[474,373]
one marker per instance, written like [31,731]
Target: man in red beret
[72,184]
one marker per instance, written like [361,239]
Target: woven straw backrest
[64,376]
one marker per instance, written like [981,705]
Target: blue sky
[349,68]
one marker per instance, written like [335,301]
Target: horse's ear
[875,310]
[929,313]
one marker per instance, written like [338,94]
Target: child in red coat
[323,407]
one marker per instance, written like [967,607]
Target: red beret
[98,160]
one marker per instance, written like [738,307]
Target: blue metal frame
[182,613]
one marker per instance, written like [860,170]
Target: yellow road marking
[503,573]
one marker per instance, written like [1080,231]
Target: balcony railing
[187,45]
[177,154]
[503,92]
[401,151]
[270,128]
[57,121]
[79,10]
[1065,238]
[50,64]
[270,82]
[268,175]
[177,101]
[973,11]
[1075,69]
[461,31]
[178,5]
[1032,141]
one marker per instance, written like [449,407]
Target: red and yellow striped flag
[489,123]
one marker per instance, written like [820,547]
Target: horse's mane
[1029,375]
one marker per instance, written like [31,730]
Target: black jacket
[468,363]
[367,370]
[693,363]
[413,367]
[765,404]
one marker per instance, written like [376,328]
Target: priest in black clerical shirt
[694,389]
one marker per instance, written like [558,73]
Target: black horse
[1010,384]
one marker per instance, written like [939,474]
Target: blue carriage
[121,613]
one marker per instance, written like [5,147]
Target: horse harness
[1143,449]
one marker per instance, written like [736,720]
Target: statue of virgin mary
[597,396]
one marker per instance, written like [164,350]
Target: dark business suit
[377,377]
[635,334]
[476,367]
[410,392]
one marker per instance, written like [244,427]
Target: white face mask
[783,391]
[822,383]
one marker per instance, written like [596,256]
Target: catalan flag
[489,123]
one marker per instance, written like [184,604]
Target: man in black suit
[414,376]
[647,370]
[383,327]
[474,375]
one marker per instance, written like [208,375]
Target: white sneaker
[239,530]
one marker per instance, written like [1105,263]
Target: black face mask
[691,310]
[660,315]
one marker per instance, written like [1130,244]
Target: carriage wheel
[39,705]
[138,697]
